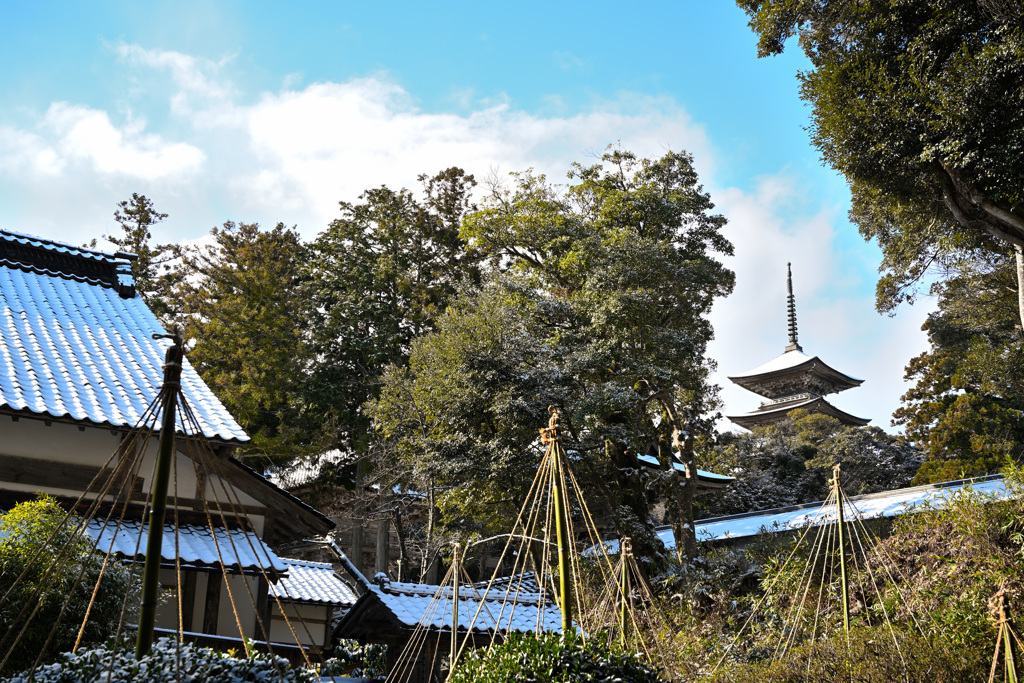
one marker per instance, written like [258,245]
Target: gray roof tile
[198,545]
[313,582]
[431,606]
[72,346]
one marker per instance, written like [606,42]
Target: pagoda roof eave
[793,363]
[760,418]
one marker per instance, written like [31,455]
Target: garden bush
[167,662]
[552,658]
[872,655]
[39,536]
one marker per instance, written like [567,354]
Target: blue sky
[258,111]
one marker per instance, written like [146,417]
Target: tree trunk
[1018,254]
[972,209]
[400,531]
[682,489]
[383,544]
[356,556]
[428,563]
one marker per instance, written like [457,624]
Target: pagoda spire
[794,381]
[791,310]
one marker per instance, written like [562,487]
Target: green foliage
[242,303]
[790,463]
[355,660]
[551,658]
[167,662]
[376,279]
[966,406]
[920,104]
[870,655]
[929,581]
[41,558]
[951,561]
[596,302]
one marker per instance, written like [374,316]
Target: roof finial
[791,308]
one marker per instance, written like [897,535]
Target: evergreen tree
[790,463]
[595,302]
[920,104]
[241,304]
[153,269]
[967,407]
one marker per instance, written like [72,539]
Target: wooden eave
[760,418]
[813,367]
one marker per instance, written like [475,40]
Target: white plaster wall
[304,620]
[226,623]
[30,438]
[93,447]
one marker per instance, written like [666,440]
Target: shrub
[872,654]
[356,660]
[551,658]
[36,536]
[167,662]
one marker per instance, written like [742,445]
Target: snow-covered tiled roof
[72,346]
[794,363]
[312,582]
[868,506]
[767,415]
[411,605]
[701,474]
[790,359]
[414,605]
[197,545]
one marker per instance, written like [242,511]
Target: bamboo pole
[456,570]
[158,505]
[1005,638]
[626,553]
[553,436]
[842,550]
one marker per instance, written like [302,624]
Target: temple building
[794,381]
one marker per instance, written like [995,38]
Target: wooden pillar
[211,612]
[356,553]
[263,608]
[188,599]
[383,525]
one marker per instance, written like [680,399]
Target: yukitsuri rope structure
[1007,640]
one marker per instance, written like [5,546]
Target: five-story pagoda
[794,381]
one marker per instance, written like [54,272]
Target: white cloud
[25,152]
[88,135]
[291,155]
[194,78]
[330,141]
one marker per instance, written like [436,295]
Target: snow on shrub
[550,658]
[167,662]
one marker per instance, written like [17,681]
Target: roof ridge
[52,244]
[308,563]
[42,270]
[115,270]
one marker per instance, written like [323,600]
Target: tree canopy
[789,463]
[595,301]
[241,304]
[967,404]
[376,278]
[920,104]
